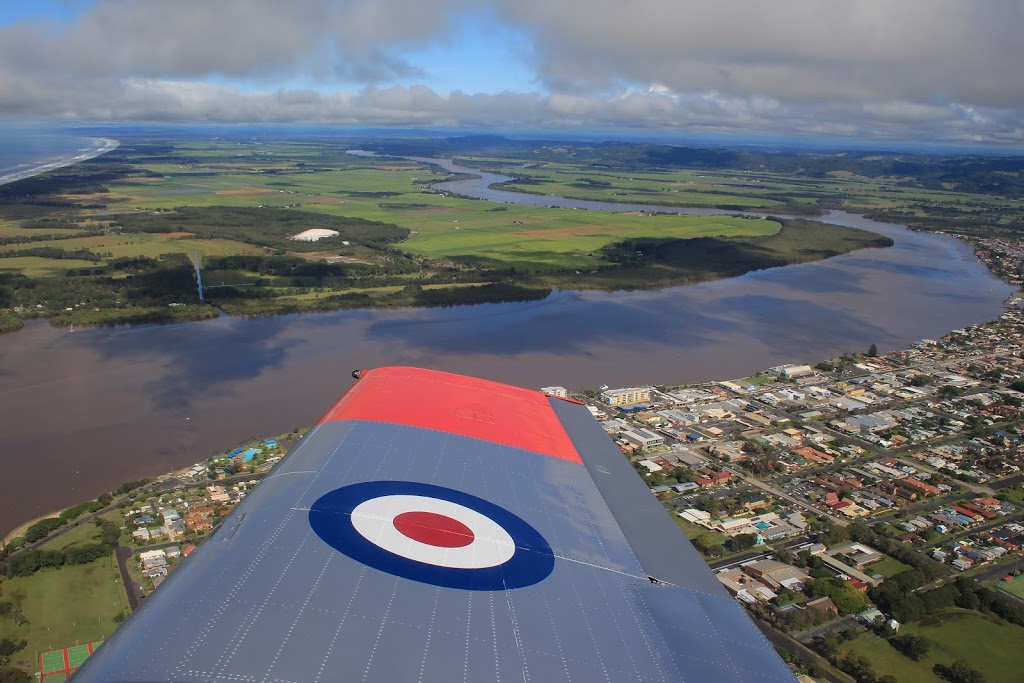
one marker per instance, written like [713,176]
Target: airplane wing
[435,527]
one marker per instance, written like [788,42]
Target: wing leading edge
[434,527]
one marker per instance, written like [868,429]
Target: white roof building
[314,234]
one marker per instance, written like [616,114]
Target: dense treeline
[10,322]
[655,261]
[123,283]
[52,253]
[28,562]
[409,296]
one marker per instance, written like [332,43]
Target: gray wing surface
[270,597]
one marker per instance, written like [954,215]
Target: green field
[694,531]
[73,604]
[1015,587]
[887,567]
[85,533]
[38,266]
[988,643]
[401,242]
[443,227]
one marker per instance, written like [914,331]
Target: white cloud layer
[908,69]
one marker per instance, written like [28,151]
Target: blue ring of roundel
[330,517]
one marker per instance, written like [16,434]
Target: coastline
[104,145]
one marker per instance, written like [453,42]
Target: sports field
[73,604]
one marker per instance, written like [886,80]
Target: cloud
[797,50]
[910,69]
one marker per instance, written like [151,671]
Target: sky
[925,71]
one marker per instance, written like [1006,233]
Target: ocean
[27,151]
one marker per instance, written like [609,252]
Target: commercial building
[627,396]
[642,437]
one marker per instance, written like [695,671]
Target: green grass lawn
[87,533]
[152,246]
[756,380]
[37,266]
[695,531]
[987,643]
[12,229]
[66,606]
[887,567]
[1015,587]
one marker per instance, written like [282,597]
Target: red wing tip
[458,404]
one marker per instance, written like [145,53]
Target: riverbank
[665,381]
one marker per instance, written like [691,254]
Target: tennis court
[56,666]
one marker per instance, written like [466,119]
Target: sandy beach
[103,145]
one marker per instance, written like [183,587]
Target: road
[134,590]
[757,554]
[754,481]
[799,650]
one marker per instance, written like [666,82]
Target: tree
[847,598]
[859,667]
[9,646]
[959,672]
[8,674]
[948,391]
[911,645]
[41,528]
[741,542]
[716,550]
[873,351]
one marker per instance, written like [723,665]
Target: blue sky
[927,71]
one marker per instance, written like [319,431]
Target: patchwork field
[126,225]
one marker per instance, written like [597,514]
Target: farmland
[114,239]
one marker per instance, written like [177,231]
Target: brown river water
[83,411]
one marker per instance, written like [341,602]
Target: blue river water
[85,410]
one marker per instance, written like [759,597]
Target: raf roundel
[433,535]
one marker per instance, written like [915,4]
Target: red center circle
[434,529]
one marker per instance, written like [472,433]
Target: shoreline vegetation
[115,239]
[120,238]
[520,181]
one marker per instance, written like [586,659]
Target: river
[86,410]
